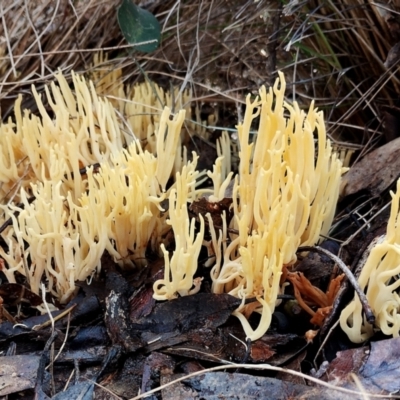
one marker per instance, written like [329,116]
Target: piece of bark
[18,373]
[205,310]
[192,320]
[217,385]
[375,172]
[156,364]
[118,324]
[177,391]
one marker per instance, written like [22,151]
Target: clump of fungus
[63,220]
[180,269]
[379,279]
[284,197]
[84,131]
[65,244]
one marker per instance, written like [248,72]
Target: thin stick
[3,19]
[363,298]
[324,342]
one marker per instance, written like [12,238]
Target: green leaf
[139,26]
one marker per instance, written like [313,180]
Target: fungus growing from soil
[379,279]
[61,234]
[284,197]
[181,267]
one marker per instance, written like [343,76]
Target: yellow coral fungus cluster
[284,197]
[379,279]
[84,131]
[62,219]
[179,271]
